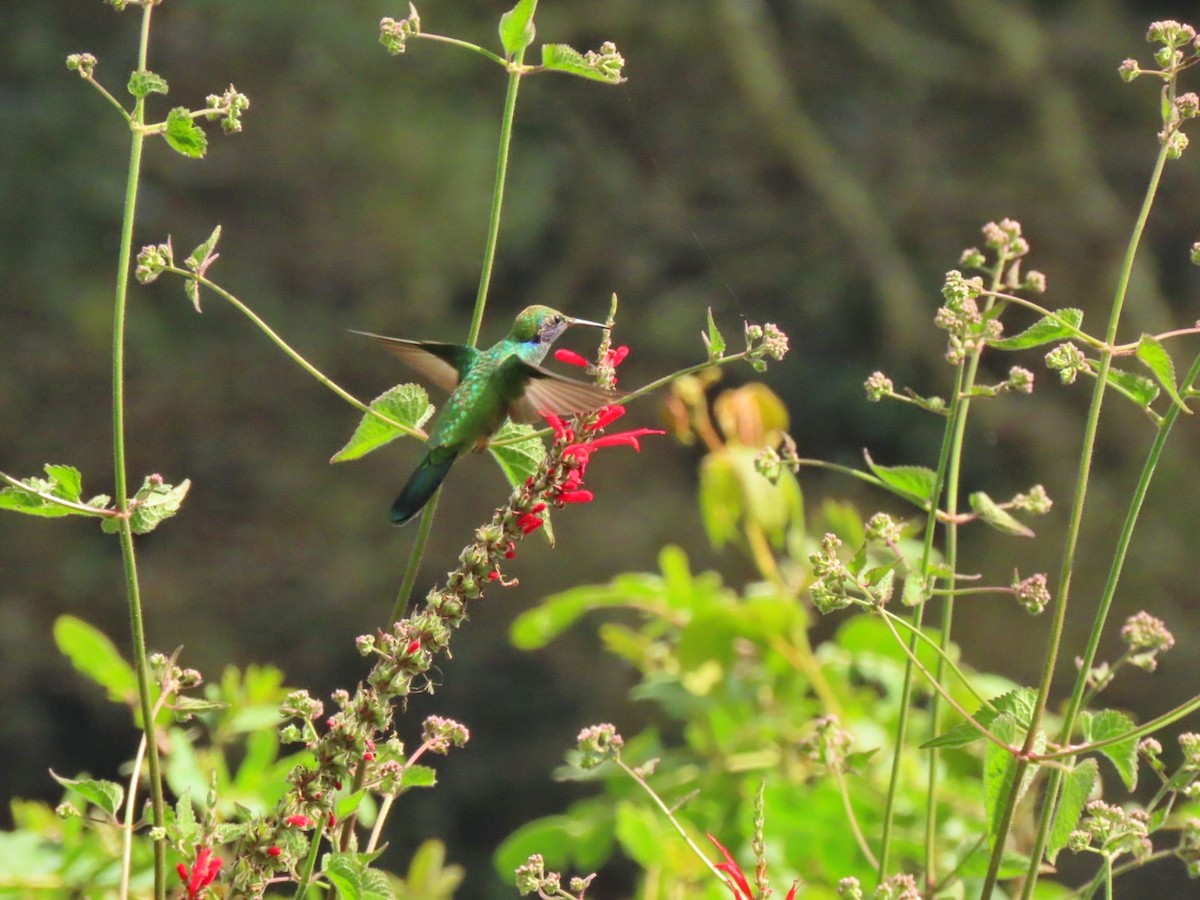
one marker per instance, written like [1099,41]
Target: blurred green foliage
[818,160]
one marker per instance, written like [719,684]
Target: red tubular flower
[571,358]
[575,497]
[561,431]
[529,523]
[623,438]
[616,356]
[737,879]
[201,874]
[606,415]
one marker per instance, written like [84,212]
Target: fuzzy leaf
[407,404]
[1155,357]
[184,135]
[914,483]
[516,27]
[1018,703]
[200,258]
[154,502]
[1076,788]
[564,58]
[107,795]
[1138,388]
[713,339]
[63,482]
[354,880]
[519,460]
[93,654]
[1043,331]
[1109,723]
[144,83]
[418,776]
[987,510]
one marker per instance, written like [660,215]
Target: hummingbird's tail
[421,485]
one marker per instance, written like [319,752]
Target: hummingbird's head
[543,325]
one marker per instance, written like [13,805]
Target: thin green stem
[1072,538]
[889,810]
[132,589]
[130,812]
[675,823]
[310,863]
[111,99]
[293,354]
[941,652]
[404,595]
[1079,696]
[1146,728]
[465,45]
[859,837]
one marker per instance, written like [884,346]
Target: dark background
[816,163]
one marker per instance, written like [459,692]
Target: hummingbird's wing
[442,364]
[546,391]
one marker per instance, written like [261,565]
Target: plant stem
[132,590]
[310,862]
[1072,537]
[414,559]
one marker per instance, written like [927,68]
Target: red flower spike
[606,416]
[201,874]
[274,851]
[616,356]
[737,879]
[576,497]
[571,358]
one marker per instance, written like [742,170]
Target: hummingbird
[486,386]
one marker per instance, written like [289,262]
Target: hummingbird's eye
[557,320]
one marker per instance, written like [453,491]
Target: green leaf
[63,482]
[94,655]
[519,460]
[143,83]
[1076,788]
[1155,357]
[354,880]
[347,804]
[516,27]
[1138,388]
[202,257]
[1108,723]
[186,707]
[154,502]
[406,404]
[987,510]
[184,135]
[185,819]
[564,58]
[1017,703]
[107,795]
[999,769]
[418,776]
[713,339]
[536,628]
[914,483]
[1044,331]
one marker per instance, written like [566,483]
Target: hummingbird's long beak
[571,321]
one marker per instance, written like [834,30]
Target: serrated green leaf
[348,804]
[405,404]
[713,339]
[199,259]
[186,707]
[107,795]
[1108,723]
[418,776]
[345,873]
[521,459]
[564,58]
[1155,357]
[1076,788]
[987,510]
[184,135]
[63,482]
[154,502]
[914,483]
[94,655]
[185,818]
[516,27]
[1044,331]
[1018,703]
[144,83]
[999,770]
[1138,388]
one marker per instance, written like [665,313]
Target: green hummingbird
[485,386]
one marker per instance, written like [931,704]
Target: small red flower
[561,431]
[575,497]
[571,358]
[623,438]
[737,879]
[413,647]
[299,821]
[274,851]
[332,819]
[616,356]
[494,575]
[606,415]
[201,874]
[529,523]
